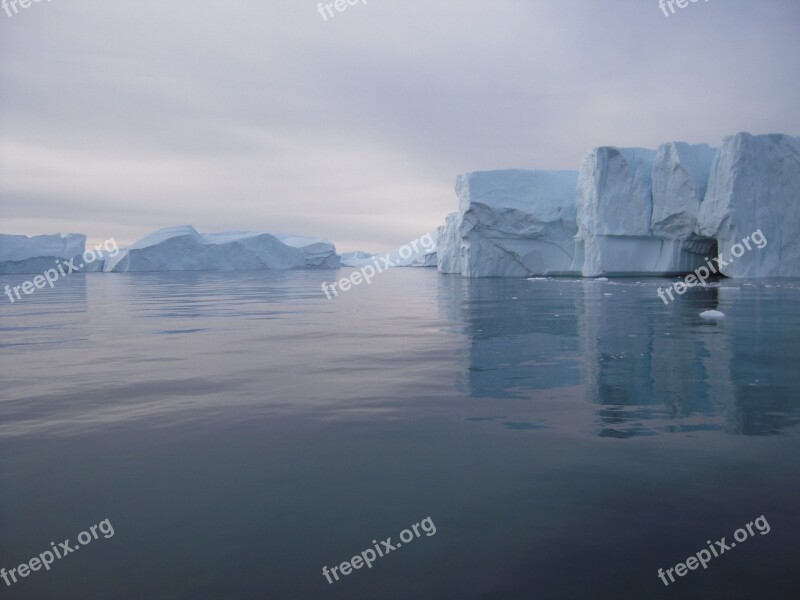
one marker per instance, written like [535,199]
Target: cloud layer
[118,118]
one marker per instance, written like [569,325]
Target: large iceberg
[513,223]
[755,187]
[184,249]
[35,254]
[633,211]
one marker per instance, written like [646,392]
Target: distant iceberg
[421,252]
[35,254]
[184,249]
[355,259]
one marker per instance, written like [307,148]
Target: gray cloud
[117,118]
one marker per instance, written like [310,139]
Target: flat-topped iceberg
[512,223]
[184,249]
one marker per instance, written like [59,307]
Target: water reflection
[649,368]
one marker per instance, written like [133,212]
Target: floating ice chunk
[712,315]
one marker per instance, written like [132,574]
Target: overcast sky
[118,117]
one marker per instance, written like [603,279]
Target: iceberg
[513,223]
[182,248]
[35,254]
[755,187]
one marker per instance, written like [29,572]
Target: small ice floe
[607,294]
[712,315]
[601,278]
[513,297]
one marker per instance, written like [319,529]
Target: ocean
[568,438]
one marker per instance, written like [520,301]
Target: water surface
[568,438]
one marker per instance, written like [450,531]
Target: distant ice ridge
[182,248]
[420,252]
[512,223]
[632,211]
[355,259]
[319,254]
[35,254]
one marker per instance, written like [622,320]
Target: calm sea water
[240,431]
